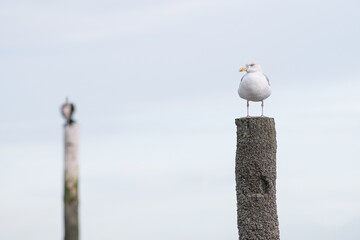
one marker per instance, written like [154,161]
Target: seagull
[254,85]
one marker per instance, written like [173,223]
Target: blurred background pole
[71,200]
[255,173]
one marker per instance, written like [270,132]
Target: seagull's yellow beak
[242,69]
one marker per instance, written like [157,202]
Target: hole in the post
[264,185]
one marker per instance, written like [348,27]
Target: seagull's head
[251,67]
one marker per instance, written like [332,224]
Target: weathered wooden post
[255,173]
[71,199]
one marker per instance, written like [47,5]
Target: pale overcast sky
[155,85]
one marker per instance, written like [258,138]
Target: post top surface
[254,120]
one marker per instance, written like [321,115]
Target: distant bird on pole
[67,111]
[254,85]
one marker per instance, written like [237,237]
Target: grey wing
[267,79]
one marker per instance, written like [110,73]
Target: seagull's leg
[262,109]
[247,105]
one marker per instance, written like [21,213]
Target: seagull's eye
[251,65]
